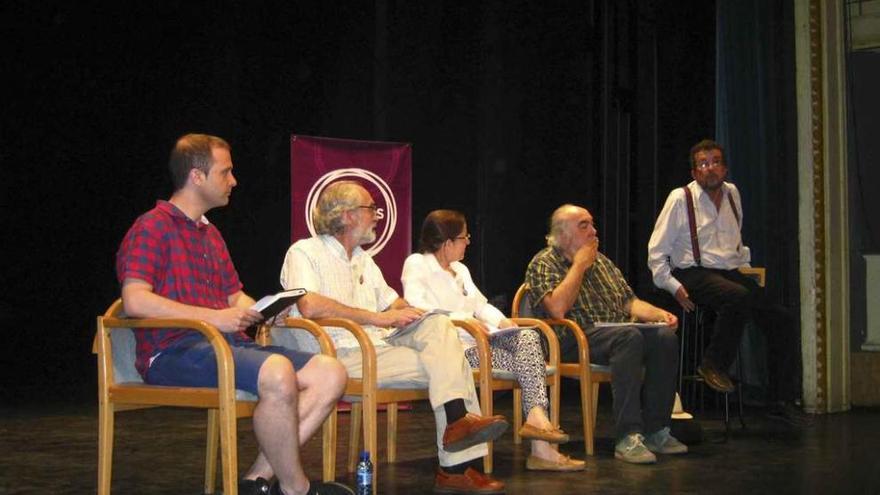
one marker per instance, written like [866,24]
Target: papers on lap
[273,304]
[397,332]
[636,324]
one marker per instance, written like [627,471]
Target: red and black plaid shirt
[183,260]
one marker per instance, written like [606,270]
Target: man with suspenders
[695,253]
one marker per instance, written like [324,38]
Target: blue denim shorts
[190,363]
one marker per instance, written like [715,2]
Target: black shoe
[259,486]
[715,378]
[790,414]
[329,488]
[317,488]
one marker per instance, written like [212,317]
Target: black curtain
[756,122]
[513,107]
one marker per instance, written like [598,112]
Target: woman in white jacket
[435,278]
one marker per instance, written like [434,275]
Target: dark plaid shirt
[183,260]
[603,295]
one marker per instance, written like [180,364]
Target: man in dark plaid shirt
[172,263]
[570,278]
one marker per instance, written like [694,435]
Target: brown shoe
[564,463]
[472,481]
[715,378]
[552,435]
[472,430]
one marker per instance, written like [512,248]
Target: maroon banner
[384,169]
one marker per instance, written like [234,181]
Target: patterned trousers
[521,354]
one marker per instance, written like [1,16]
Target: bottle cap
[365,456]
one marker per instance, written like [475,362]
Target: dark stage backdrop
[512,107]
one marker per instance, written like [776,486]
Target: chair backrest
[299,341]
[522,306]
[123,345]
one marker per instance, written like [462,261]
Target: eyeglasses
[707,164]
[372,207]
[466,237]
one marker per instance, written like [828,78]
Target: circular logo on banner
[389,213]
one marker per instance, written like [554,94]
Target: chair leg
[517,415]
[554,407]
[587,407]
[354,436]
[739,386]
[371,443]
[554,401]
[329,440]
[105,447]
[211,446]
[229,450]
[726,415]
[391,410]
[595,402]
[488,407]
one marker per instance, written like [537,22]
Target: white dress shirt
[428,286]
[321,265]
[718,234]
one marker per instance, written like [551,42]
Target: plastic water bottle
[364,475]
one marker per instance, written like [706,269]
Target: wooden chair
[490,380]
[121,388]
[589,375]
[364,393]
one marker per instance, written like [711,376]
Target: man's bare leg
[275,423]
[319,385]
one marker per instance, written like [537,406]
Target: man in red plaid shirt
[173,263]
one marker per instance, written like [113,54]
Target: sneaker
[259,486]
[790,414]
[631,448]
[662,442]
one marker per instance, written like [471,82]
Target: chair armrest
[222,352]
[549,334]
[580,337]
[368,350]
[483,349]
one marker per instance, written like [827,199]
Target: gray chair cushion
[123,344]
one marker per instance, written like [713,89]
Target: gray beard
[367,237]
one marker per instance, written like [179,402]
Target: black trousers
[640,406]
[736,298]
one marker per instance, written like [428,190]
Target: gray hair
[557,225]
[335,200]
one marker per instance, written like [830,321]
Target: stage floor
[53,449]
